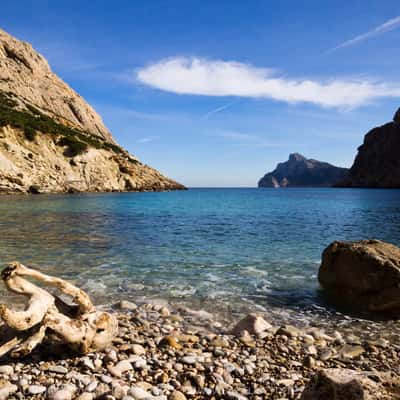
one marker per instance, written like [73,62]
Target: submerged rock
[363,274]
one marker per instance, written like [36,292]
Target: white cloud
[388,26]
[229,78]
[147,139]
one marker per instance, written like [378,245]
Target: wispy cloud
[247,139]
[229,78]
[219,109]
[388,26]
[147,139]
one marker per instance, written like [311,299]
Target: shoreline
[165,352]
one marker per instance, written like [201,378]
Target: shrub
[33,120]
[30,133]
[74,146]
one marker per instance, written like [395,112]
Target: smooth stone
[140,363]
[232,395]
[253,324]
[62,395]
[170,341]
[120,368]
[177,395]
[127,305]
[6,369]
[85,396]
[190,360]
[36,389]
[58,369]
[92,386]
[139,394]
[138,349]
[289,331]
[348,351]
[7,390]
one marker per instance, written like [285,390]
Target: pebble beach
[176,353]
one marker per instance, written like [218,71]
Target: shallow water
[228,250]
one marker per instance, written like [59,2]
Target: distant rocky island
[377,163]
[51,140]
[299,171]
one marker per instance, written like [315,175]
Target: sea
[227,251]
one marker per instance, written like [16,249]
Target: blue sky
[215,93]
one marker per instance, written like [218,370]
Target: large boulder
[363,274]
[345,384]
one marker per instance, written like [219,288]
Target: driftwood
[85,331]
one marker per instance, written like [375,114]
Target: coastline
[178,353]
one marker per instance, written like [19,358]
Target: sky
[216,93]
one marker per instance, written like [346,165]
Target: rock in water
[302,172]
[377,163]
[342,384]
[363,274]
[51,140]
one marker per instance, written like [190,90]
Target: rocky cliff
[51,140]
[299,171]
[377,163]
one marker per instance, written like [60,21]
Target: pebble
[139,394]
[180,357]
[58,369]
[120,368]
[7,390]
[189,360]
[6,369]
[62,395]
[138,349]
[348,351]
[36,389]
[177,395]
[127,305]
[92,386]
[85,396]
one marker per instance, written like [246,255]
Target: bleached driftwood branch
[88,330]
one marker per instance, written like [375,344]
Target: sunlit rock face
[52,140]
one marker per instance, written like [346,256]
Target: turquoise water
[229,250]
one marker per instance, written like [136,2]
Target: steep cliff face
[299,171]
[51,140]
[377,163]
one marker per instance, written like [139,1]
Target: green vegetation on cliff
[32,121]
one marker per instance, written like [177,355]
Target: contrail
[219,109]
[388,26]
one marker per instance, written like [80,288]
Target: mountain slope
[51,140]
[299,171]
[377,163]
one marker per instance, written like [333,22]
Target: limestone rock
[343,384]
[363,274]
[253,324]
[51,140]
[377,163]
[299,171]
[27,74]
